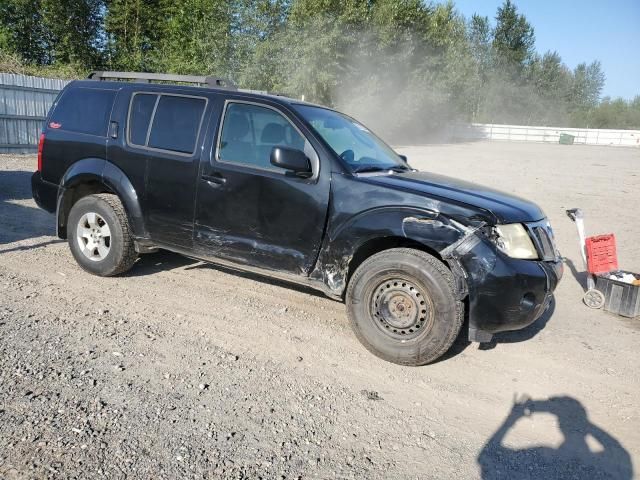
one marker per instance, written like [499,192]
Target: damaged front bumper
[512,296]
[504,293]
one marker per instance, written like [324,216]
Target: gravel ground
[184,370]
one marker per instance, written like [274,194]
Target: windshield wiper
[378,168]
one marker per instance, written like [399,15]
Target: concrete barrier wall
[520,133]
[24,103]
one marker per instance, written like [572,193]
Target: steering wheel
[348,156]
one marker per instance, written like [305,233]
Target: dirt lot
[181,370]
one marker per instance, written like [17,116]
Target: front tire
[99,236]
[402,306]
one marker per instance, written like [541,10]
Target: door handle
[113,129]
[215,179]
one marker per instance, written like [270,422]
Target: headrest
[273,133]
[236,126]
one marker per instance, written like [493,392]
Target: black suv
[296,191]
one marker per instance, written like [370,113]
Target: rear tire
[99,236]
[402,306]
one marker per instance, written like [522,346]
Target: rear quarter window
[83,110]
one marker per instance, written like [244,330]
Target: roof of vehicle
[177,82]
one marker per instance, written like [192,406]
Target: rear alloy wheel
[94,236]
[99,236]
[402,306]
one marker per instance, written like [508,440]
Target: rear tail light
[40,145]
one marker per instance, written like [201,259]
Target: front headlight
[514,240]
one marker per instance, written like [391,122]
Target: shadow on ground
[164,260]
[587,451]
[15,184]
[579,275]
[256,277]
[160,261]
[461,343]
[20,222]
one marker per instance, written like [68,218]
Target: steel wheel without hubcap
[402,306]
[94,236]
[402,311]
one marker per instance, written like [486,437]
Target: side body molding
[111,178]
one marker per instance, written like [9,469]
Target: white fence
[24,103]
[520,133]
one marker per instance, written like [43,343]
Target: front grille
[543,239]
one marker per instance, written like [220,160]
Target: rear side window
[83,110]
[140,117]
[176,123]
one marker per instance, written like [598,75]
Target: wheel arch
[380,244]
[92,176]
[377,230]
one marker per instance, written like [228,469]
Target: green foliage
[406,67]
[12,63]
[132,30]
[73,28]
[23,31]
[47,32]
[611,113]
[513,38]
[194,38]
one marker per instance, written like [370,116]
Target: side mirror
[403,157]
[291,159]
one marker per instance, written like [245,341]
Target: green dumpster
[566,139]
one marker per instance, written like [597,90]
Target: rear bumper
[44,193]
[513,295]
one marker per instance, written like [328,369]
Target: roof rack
[164,77]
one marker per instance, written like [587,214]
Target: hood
[505,207]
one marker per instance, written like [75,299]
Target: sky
[582,31]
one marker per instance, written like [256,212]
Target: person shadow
[575,458]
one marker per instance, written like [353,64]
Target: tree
[614,113]
[74,31]
[586,86]
[23,32]
[584,92]
[548,80]
[513,38]
[194,37]
[46,32]
[254,30]
[132,30]
[479,39]
[421,63]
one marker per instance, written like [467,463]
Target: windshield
[352,141]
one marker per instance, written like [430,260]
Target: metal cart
[593,298]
